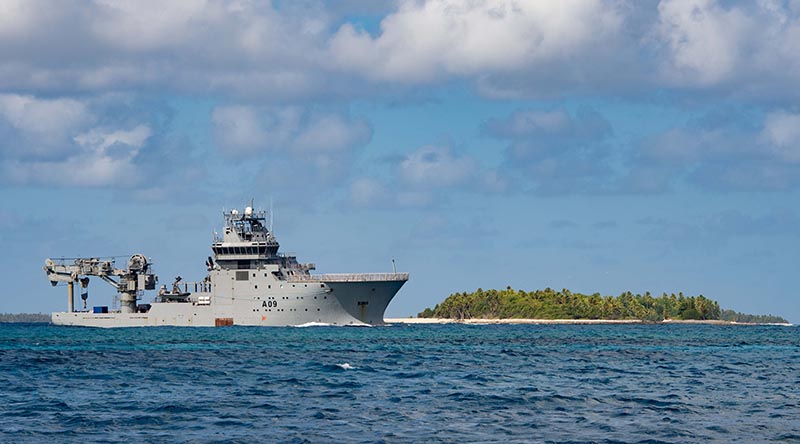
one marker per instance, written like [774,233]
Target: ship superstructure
[249,282]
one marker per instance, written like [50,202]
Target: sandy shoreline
[555,321]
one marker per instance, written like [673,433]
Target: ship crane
[130,284]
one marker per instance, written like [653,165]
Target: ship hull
[356,303]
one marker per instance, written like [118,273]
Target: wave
[313,324]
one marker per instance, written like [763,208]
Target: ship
[248,282]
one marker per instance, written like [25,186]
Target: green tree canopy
[564,304]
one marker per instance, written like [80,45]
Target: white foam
[346,366]
[313,324]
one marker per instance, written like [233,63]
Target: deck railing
[195,287]
[349,277]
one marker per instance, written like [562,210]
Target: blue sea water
[421,383]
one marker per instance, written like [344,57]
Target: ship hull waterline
[360,303]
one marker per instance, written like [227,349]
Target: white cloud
[144,25]
[250,129]
[782,132]
[292,149]
[104,157]
[368,192]
[16,16]
[287,52]
[435,166]
[725,155]
[555,151]
[526,124]
[424,41]
[704,39]
[59,142]
[40,124]
[238,129]
[103,141]
[333,133]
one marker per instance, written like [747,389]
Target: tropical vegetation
[564,304]
[735,316]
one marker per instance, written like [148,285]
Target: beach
[479,321]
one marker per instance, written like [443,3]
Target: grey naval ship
[248,283]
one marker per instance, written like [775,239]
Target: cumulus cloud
[288,51]
[555,151]
[37,128]
[431,174]
[704,39]
[368,192]
[722,154]
[237,48]
[750,49]
[103,158]
[238,129]
[424,41]
[435,166]
[113,141]
[250,129]
[782,134]
[292,149]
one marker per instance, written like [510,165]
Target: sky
[594,145]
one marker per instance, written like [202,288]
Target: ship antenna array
[270,214]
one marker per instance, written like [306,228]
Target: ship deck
[350,277]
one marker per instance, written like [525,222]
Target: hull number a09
[269,304]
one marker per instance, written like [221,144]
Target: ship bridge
[248,243]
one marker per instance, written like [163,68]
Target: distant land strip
[24,317]
[564,306]
[517,321]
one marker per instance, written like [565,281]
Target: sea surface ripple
[420,383]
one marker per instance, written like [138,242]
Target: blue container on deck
[102,309]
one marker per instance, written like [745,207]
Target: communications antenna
[270,214]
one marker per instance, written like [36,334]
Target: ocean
[412,383]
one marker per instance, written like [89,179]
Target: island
[564,305]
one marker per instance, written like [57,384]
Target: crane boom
[132,280]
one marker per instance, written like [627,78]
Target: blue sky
[595,145]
